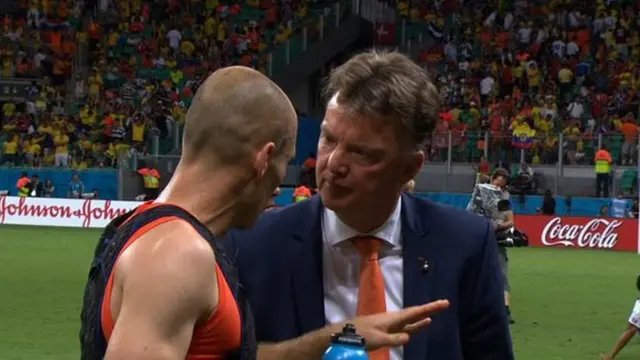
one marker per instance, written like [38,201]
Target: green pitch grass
[569,304]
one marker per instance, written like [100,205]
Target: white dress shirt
[341,267]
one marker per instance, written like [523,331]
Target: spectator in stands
[151,178]
[8,110]
[576,109]
[76,187]
[484,168]
[620,207]
[10,152]
[81,88]
[61,142]
[548,203]
[301,193]
[33,150]
[48,189]
[558,59]
[143,52]
[310,162]
[36,188]
[630,130]
[174,37]
[604,211]
[603,172]
[23,184]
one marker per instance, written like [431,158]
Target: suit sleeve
[485,329]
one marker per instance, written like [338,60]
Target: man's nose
[337,162]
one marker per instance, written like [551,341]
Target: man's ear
[413,165]
[263,157]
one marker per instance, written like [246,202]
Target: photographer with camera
[492,201]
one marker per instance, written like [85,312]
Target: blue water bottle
[346,345]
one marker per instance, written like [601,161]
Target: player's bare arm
[166,285]
[380,330]
[624,339]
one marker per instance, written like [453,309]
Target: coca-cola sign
[597,233]
[580,232]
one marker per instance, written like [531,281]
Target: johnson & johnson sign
[580,232]
[61,212]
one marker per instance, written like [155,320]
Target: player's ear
[264,157]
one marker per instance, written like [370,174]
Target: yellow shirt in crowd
[10,147]
[61,142]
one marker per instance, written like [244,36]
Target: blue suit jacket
[280,266]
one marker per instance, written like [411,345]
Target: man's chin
[331,201]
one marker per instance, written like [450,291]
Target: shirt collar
[336,231]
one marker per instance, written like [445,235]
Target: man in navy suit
[300,266]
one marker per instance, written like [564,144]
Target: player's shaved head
[237,110]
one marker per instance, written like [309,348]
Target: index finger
[416,313]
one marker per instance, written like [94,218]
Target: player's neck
[211,197]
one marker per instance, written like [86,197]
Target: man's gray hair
[388,85]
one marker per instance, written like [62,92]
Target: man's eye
[328,139]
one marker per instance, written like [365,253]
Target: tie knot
[368,246]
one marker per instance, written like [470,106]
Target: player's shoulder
[169,266]
[634,319]
[175,241]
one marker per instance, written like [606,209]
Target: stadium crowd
[143,62]
[517,74]
[524,72]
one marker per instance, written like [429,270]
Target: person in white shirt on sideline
[633,328]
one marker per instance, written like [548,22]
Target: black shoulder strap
[248,343]
[111,243]
[92,343]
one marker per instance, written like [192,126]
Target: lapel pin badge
[425,264]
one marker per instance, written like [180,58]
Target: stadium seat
[629,180]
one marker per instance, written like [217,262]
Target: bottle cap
[348,336]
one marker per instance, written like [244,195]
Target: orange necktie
[371,297]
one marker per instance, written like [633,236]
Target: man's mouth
[335,186]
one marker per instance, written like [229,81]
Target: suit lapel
[419,269]
[308,290]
